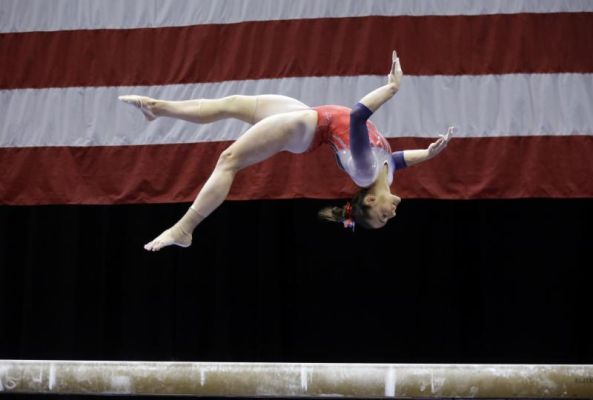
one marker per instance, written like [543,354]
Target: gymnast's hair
[355,213]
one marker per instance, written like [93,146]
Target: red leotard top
[333,126]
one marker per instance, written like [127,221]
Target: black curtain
[502,281]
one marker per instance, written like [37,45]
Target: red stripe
[428,45]
[510,167]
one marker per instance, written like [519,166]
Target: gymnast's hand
[436,147]
[395,75]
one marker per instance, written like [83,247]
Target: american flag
[514,77]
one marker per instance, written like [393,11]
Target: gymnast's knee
[234,100]
[228,162]
[245,106]
[239,102]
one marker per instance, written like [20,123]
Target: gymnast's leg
[291,131]
[250,109]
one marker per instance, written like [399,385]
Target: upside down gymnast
[281,123]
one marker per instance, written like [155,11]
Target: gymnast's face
[382,208]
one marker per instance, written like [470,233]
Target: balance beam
[215,379]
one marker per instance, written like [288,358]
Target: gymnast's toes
[167,238]
[141,102]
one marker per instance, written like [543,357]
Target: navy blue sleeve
[398,160]
[360,145]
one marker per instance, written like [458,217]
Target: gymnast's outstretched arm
[407,158]
[359,139]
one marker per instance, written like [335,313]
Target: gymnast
[281,123]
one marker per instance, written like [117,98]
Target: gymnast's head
[368,209]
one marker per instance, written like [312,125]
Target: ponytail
[354,213]
[332,214]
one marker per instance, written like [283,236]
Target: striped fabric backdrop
[514,77]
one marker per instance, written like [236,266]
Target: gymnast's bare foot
[172,236]
[144,103]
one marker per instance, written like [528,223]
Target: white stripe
[390,382]
[485,105]
[51,380]
[54,15]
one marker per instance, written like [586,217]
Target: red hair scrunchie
[348,221]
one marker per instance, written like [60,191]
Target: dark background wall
[446,281]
